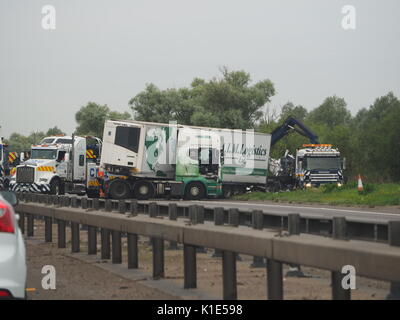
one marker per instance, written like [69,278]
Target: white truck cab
[58,164]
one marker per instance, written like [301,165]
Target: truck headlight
[308,185]
[339,184]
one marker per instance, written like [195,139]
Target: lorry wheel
[119,189]
[56,187]
[143,190]
[195,191]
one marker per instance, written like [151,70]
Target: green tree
[115,115]
[91,118]
[18,142]
[55,131]
[157,105]
[230,101]
[332,112]
[290,110]
[376,139]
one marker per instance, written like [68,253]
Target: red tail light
[4,294]
[6,219]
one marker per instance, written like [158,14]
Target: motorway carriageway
[356,214]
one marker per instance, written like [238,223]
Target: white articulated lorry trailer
[144,160]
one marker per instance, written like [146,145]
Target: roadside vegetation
[369,139]
[373,195]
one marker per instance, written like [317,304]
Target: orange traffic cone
[360,184]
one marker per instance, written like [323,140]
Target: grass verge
[373,195]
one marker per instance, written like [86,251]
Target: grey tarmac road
[373,215]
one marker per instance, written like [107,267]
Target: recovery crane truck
[58,165]
[313,165]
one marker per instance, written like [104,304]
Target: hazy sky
[106,51]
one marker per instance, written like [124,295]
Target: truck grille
[317,177]
[25,175]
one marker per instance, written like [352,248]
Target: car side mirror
[10,197]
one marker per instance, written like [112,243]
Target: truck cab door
[209,162]
[62,165]
[79,161]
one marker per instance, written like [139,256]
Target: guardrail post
[274,280]
[116,247]
[121,206]
[192,213]
[47,200]
[294,229]
[233,217]
[233,220]
[173,215]
[339,228]
[84,203]
[75,241]
[133,252]
[92,240]
[218,221]
[90,203]
[108,205]
[30,225]
[257,218]
[60,201]
[21,222]
[74,202]
[48,229]
[61,233]
[53,200]
[394,240]
[198,218]
[134,208]
[158,258]
[96,204]
[189,267]
[105,244]
[153,209]
[67,201]
[229,275]
[157,246]
[339,233]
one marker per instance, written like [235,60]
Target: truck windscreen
[43,154]
[48,140]
[127,137]
[323,163]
